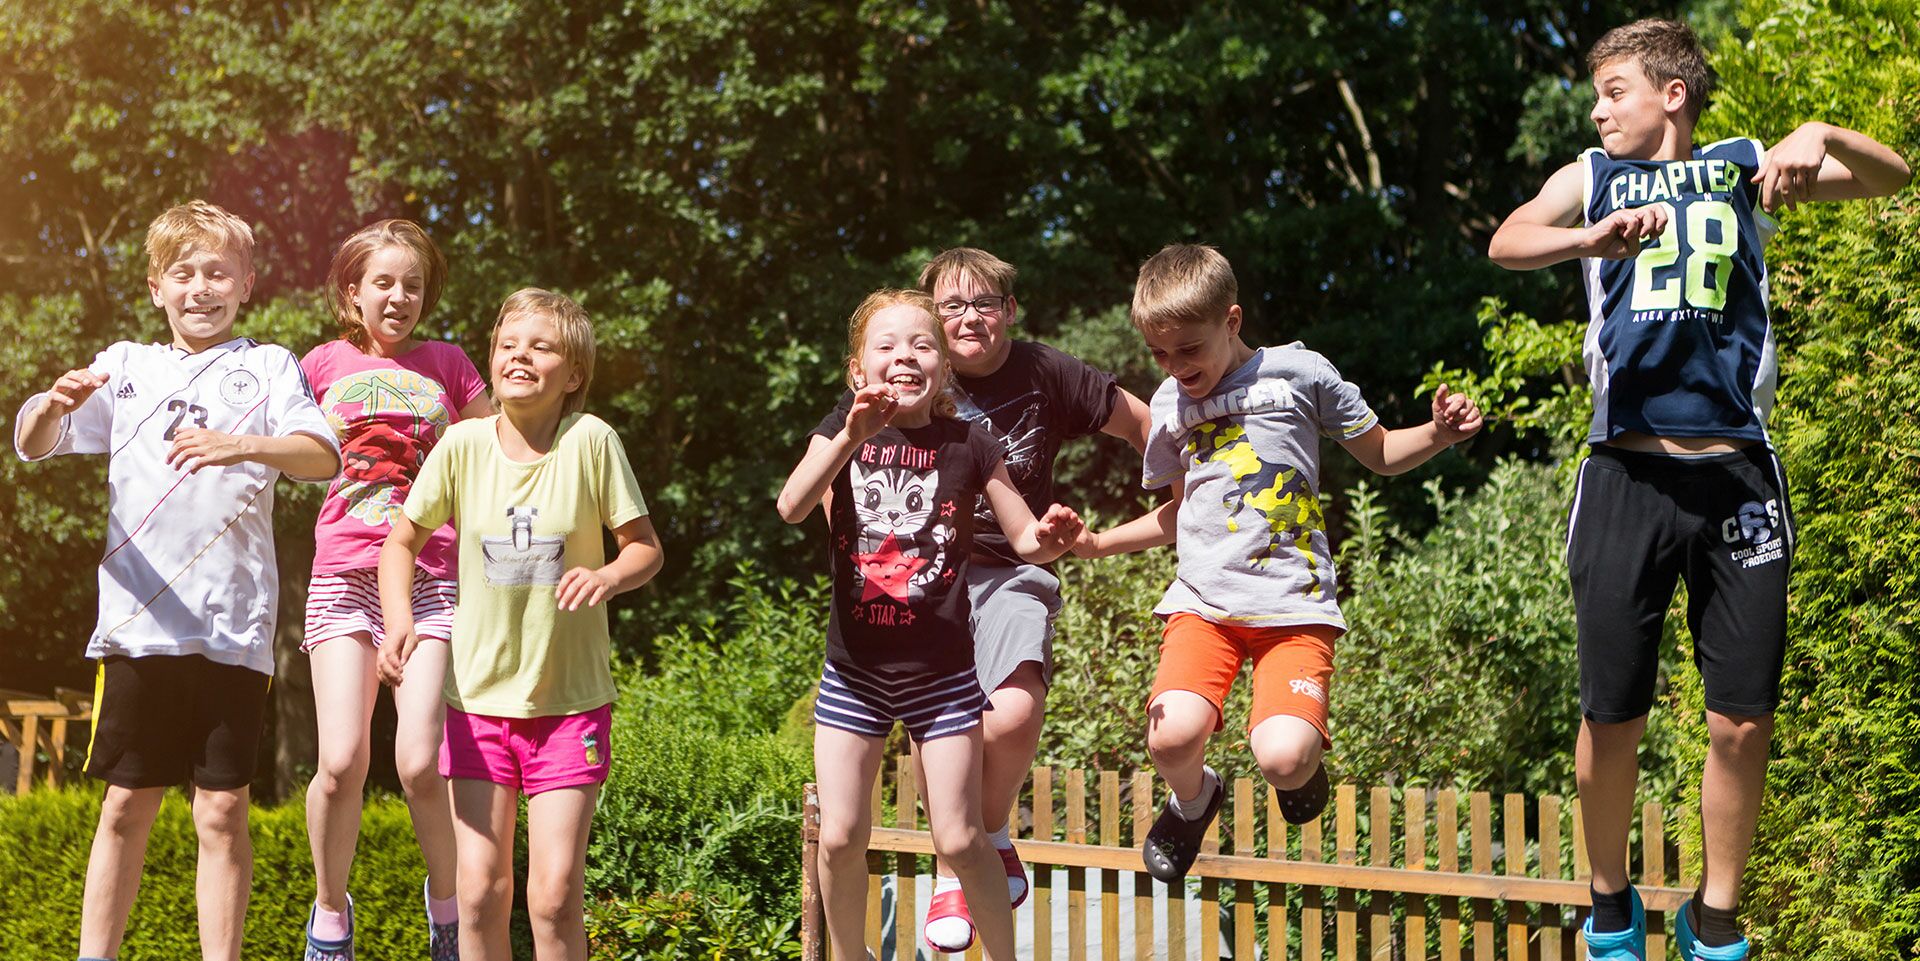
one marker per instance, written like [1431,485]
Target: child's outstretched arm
[873,406]
[1546,230]
[1383,451]
[1036,539]
[637,558]
[397,555]
[1819,161]
[1156,528]
[39,428]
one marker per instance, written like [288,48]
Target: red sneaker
[956,933]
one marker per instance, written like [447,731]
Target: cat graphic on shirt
[902,546]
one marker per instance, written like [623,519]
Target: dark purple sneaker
[318,950]
[443,940]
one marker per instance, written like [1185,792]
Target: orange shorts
[1292,667]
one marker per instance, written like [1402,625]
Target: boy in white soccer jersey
[197,431]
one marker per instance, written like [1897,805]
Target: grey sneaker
[318,950]
[443,940]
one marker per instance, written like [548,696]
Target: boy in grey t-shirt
[1236,434]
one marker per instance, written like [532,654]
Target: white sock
[1192,808]
[948,934]
[1002,839]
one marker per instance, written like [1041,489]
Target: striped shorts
[349,603]
[867,702]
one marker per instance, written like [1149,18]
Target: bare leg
[844,766]
[344,686]
[1288,750]
[1730,792]
[1178,726]
[1606,763]
[224,877]
[1011,735]
[416,755]
[558,822]
[113,867]
[483,820]
[952,766]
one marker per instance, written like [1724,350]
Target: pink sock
[443,910]
[328,925]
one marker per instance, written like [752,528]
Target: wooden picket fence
[36,724]
[1422,887]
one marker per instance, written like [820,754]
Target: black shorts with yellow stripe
[163,720]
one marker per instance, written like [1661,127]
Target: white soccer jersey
[189,564]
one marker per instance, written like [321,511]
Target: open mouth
[906,381]
[517,376]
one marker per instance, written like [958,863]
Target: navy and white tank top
[1678,340]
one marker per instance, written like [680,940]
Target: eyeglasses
[985,304]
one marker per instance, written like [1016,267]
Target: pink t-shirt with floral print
[388,412]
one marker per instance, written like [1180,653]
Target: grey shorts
[1013,612]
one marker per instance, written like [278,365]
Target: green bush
[691,810]
[696,846]
[1460,668]
[1836,867]
[45,837]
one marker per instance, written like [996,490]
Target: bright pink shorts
[532,754]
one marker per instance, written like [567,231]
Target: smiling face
[530,367]
[388,296]
[976,332]
[902,350]
[1634,116]
[202,292]
[1197,355]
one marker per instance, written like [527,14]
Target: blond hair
[576,333]
[880,300]
[984,267]
[1666,50]
[1183,284]
[350,265]
[195,224]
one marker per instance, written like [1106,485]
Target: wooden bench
[36,725]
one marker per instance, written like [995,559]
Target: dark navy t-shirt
[1678,341]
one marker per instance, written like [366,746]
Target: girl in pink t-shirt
[389,396]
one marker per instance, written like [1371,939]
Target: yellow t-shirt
[521,526]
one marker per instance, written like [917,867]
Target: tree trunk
[291,723]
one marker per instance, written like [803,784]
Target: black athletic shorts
[1721,523]
[165,720]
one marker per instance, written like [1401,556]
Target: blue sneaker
[1628,945]
[341,950]
[1691,948]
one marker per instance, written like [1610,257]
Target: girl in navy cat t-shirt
[898,482]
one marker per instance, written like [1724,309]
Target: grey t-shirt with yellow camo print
[1253,543]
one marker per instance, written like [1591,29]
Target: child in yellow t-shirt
[530,693]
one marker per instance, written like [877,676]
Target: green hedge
[695,851]
[45,836]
